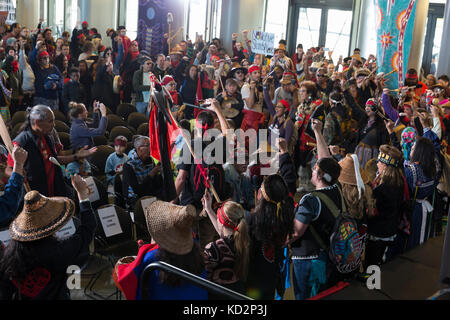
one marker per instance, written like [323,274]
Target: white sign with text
[263,42]
[94,195]
[110,221]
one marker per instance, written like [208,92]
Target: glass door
[339,25]
[322,24]
[308,29]
[433,37]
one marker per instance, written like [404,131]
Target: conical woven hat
[170,226]
[348,174]
[41,217]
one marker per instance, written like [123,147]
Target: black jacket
[52,258]
[35,167]
[388,206]
[74,91]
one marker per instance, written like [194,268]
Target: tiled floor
[411,276]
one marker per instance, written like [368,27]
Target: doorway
[433,37]
[325,24]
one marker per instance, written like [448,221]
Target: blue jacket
[114,164]
[10,201]
[81,132]
[42,75]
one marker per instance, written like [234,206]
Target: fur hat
[389,155]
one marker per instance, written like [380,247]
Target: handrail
[206,284]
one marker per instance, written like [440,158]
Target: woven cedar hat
[348,174]
[41,217]
[357,57]
[170,226]
[281,46]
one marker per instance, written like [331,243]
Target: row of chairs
[124,110]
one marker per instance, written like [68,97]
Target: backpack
[346,244]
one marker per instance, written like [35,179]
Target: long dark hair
[424,154]
[192,262]
[18,259]
[269,227]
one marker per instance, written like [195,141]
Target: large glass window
[131,20]
[197,18]
[276,18]
[72,14]
[437,43]
[309,27]
[338,32]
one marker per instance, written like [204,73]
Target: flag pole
[213,190]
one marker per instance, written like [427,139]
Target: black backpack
[346,244]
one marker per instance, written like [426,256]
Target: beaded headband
[387,159]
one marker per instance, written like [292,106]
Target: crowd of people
[347,148]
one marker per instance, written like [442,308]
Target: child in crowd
[79,166]
[115,161]
[226,259]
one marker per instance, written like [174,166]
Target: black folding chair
[111,247]
[125,109]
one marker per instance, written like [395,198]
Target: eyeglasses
[321,75]
[239,72]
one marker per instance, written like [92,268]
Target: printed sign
[263,42]
[67,231]
[94,195]
[110,221]
[4,237]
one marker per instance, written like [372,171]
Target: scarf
[134,54]
[15,66]
[408,139]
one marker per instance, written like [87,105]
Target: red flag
[154,135]
[199,95]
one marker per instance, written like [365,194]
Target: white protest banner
[94,195]
[67,231]
[5,237]
[263,42]
[110,221]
